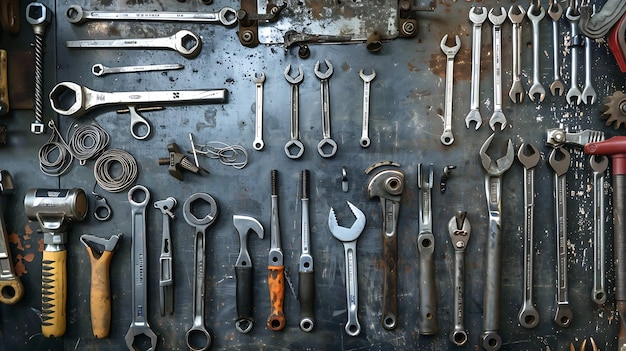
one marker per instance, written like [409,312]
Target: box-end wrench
[537,88]
[306,272]
[227,16]
[294,147]
[555,11]
[276,267]
[498,115]
[365,139]
[185,42]
[477,16]
[166,271]
[599,164]
[100,70]
[244,271]
[138,198]
[559,160]
[11,287]
[459,228]
[517,91]
[447,138]
[258,143]
[348,237]
[528,156]
[327,147]
[574,96]
[198,337]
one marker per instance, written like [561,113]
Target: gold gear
[614,109]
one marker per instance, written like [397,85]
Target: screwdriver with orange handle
[276,268]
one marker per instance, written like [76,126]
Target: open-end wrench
[100,70]
[498,115]
[185,42]
[258,143]
[365,139]
[446,137]
[599,164]
[166,271]
[427,322]
[348,237]
[327,147]
[139,322]
[489,338]
[559,160]
[555,11]
[459,228]
[477,16]
[294,147]
[517,91]
[387,185]
[306,272]
[537,88]
[11,287]
[198,337]
[528,156]
[227,16]
[276,266]
[589,93]
[574,96]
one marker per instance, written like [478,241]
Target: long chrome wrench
[459,229]
[555,11]
[498,116]
[327,147]
[599,165]
[294,147]
[427,324]
[447,138]
[306,272]
[166,271]
[517,91]
[227,16]
[589,93]
[537,88]
[100,70]
[365,139]
[258,143]
[574,95]
[477,18]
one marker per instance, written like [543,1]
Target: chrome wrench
[574,96]
[306,272]
[555,11]
[517,91]
[477,18]
[498,115]
[459,228]
[446,137]
[327,147]
[589,93]
[100,70]
[258,143]
[294,147]
[365,139]
[599,164]
[427,324]
[166,271]
[537,88]
[139,322]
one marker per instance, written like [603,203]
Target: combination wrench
[306,273]
[477,16]
[599,164]
[166,271]
[517,91]
[574,96]
[227,16]
[139,322]
[327,147]
[589,93]
[258,143]
[498,115]
[528,156]
[11,287]
[427,323]
[559,160]
[365,139]
[537,88]
[446,137]
[100,70]
[459,228]
[294,147]
[198,337]
[555,11]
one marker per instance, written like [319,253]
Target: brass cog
[613,109]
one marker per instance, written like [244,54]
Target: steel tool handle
[619,244]
[459,335]
[53,293]
[474,91]
[4,86]
[352,328]
[428,294]
[306,295]
[100,294]
[497,67]
[244,298]
[276,283]
[390,252]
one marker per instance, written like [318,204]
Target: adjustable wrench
[139,322]
[11,287]
[573,16]
[589,93]
[387,185]
[528,156]
[294,147]
[276,267]
[555,11]
[537,87]
[198,337]
[498,115]
[306,273]
[477,16]
[327,147]
[166,272]
[517,91]
[186,43]
[100,70]
[348,237]
[559,160]
[244,271]
[446,137]
[258,127]
[426,247]
[599,164]
[459,228]
[365,139]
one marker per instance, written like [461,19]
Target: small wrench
[589,93]
[599,164]
[365,139]
[327,147]
[528,156]
[573,16]
[555,11]
[517,91]
[498,115]
[348,237]
[166,271]
[477,16]
[186,43]
[294,147]
[100,70]
[459,228]
[537,88]
[11,287]
[306,273]
[446,137]
[258,143]
[426,248]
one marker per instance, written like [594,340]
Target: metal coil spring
[102,170]
[87,141]
[228,155]
[55,145]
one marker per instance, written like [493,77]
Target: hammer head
[244,224]
[55,208]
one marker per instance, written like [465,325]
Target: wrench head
[537,89]
[228,16]
[192,204]
[563,316]
[259,77]
[294,80]
[344,234]
[69,99]
[574,96]
[327,147]
[589,95]
[598,163]
[502,164]
[528,316]
[75,14]
[386,184]
[555,10]
[187,43]
[97,69]
[490,340]
[459,229]
[325,75]
[559,160]
[135,330]
[294,149]
[557,88]
[478,15]
[517,92]
[369,77]
[450,51]
[516,14]
[497,118]
[536,17]
[497,20]
[473,116]
[528,155]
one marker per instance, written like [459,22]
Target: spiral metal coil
[39,50]
[228,155]
[103,170]
[55,146]
[87,141]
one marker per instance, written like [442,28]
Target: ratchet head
[347,234]
[294,80]
[598,163]
[387,184]
[497,20]
[38,15]
[516,14]
[245,224]
[559,160]
[502,164]
[459,228]
[325,75]
[369,77]
[450,51]
[478,15]
[528,156]
[555,10]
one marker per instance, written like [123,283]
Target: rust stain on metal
[437,64]
[40,242]
[15,239]
[20,268]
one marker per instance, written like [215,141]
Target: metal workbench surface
[405,126]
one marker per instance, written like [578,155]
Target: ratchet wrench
[365,139]
[426,247]
[258,143]
[306,279]
[599,164]
[450,51]
[294,147]
[166,272]
[459,228]
[197,337]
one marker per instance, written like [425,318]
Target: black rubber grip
[244,292]
[306,293]
[619,240]
[305,184]
[274,176]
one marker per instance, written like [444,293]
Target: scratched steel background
[405,125]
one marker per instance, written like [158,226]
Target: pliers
[583,346]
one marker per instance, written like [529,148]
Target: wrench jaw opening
[490,340]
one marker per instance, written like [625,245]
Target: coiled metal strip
[87,141]
[103,167]
[55,145]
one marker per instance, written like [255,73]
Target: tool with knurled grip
[276,268]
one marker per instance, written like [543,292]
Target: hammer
[11,288]
[54,209]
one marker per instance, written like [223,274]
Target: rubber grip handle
[276,283]
[306,295]
[390,286]
[4,85]
[244,293]
[100,294]
[53,293]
